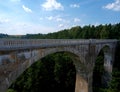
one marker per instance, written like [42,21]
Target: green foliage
[98,72]
[104,34]
[87,32]
[11,90]
[115,83]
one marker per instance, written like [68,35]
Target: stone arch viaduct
[16,55]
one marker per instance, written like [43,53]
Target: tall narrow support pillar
[107,68]
[81,84]
[83,74]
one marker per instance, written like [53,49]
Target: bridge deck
[15,44]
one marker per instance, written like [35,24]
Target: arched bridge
[16,55]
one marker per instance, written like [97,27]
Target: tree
[104,33]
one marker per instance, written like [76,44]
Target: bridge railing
[27,43]
[9,44]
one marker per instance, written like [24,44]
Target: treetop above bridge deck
[14,44]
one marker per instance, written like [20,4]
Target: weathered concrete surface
[81,84]
[17,55]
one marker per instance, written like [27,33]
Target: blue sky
[45,16]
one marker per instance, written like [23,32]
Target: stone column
[81,84]
[108,62]
[107,69]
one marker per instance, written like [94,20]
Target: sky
[20,17]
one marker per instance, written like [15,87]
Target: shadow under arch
[102,69]
[81,81]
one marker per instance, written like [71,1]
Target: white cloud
[50,5]
[41,18]
[77,20]
[26,9]
[20,28]
[55,18]
[61,25]
[115,6]
[4,20]
[15,0]
[59,19]
[75,5]
[50,18]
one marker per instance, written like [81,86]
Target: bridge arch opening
[77,79]
[102,69]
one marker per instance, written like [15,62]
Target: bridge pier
[81,84]
[108,64]
[83,78]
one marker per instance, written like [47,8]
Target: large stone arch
[108,56]
[102,47]
[31,56]
[108,52]
[108,64]
[81,84]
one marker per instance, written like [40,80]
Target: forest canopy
[107,31]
